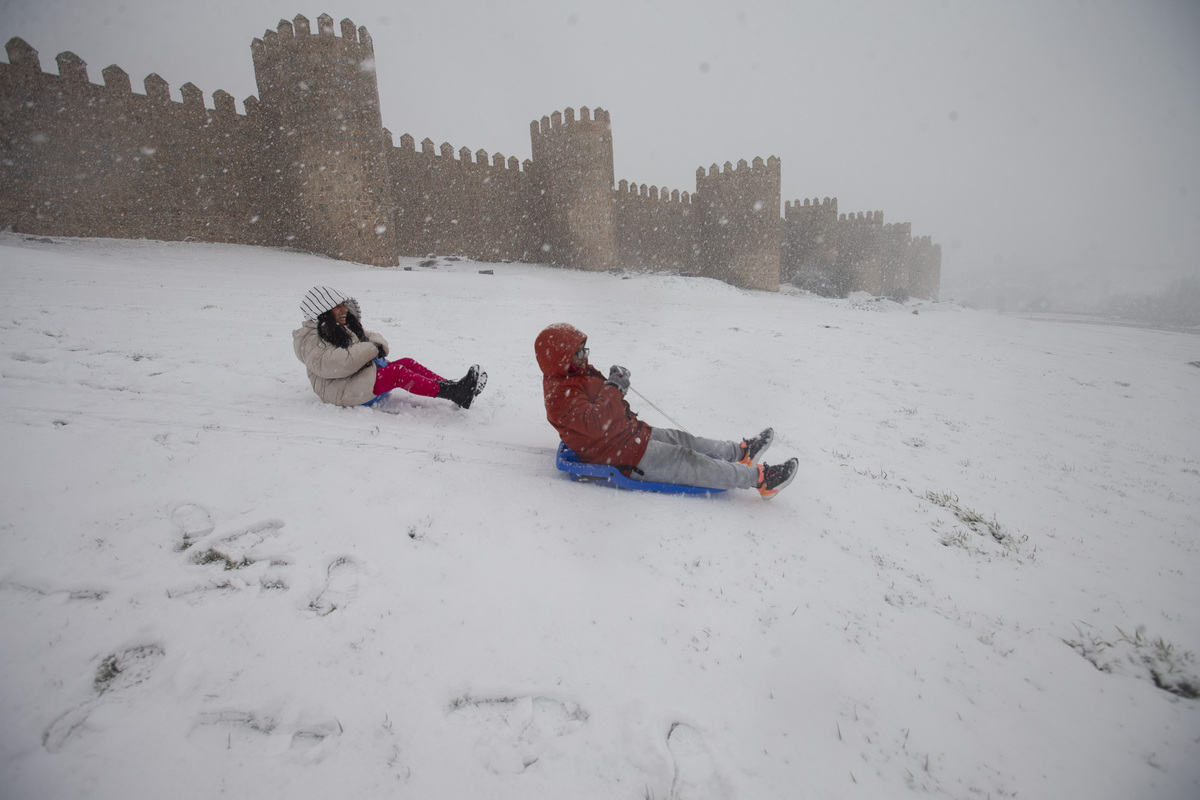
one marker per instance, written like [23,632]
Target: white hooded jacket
[343,376]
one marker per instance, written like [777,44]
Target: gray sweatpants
[680,458]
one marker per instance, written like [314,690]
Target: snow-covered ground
[212,584]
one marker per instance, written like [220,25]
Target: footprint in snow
[64,595]
[232,555]
[252,535]
[516,731]
[695,775]
[117,674]
[262,734]
[29,358]
[233,550]
[340,589]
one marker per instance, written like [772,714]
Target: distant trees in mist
[1179,304]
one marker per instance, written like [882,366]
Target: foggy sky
[1038,142]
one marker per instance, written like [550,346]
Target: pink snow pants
[408,375]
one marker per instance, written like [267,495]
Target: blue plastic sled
[568,462]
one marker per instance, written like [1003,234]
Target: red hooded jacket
[591,417]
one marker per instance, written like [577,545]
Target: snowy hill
[213,584]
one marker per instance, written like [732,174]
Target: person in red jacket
[592,417]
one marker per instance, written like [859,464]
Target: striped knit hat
[321,298]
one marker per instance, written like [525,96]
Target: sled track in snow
[358,432]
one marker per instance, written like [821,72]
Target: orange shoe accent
[762,442]
[780,476]
[745,459]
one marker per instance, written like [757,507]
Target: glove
[618,377]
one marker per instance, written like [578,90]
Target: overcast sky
[1029,137]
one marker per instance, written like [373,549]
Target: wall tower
[325,148]
[860,254]
[573,166]
[740,233]
[810,245]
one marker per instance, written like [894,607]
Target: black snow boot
[463,391]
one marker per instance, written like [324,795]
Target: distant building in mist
[310,165]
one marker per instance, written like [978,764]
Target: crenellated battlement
[770,169]
[463,156]
[25,67]
[21,56]
[868,219]
[559,119]
[116,80]
[812,206]
[298,32]
[72,69]
[653,193]
[310,165]
[292,61]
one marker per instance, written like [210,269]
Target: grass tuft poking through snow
[1165,665]
[979,525]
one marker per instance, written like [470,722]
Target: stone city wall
[310,165]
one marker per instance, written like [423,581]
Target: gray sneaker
[753,448]
[773,478]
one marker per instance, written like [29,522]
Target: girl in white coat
[348,366]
